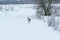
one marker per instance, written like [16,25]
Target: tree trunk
[47,13]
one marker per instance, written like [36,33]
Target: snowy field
[16,27]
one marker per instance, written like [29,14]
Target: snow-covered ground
[17,10]
[16,27]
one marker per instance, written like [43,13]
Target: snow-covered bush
[56,25]
[1,8]
[49,21]
[12,8]
[6,10]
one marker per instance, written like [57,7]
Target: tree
[46,6]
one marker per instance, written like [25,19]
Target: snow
[18,10]
[18,28]
[14,27]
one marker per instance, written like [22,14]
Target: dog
[29,19]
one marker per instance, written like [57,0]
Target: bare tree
[46,6]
